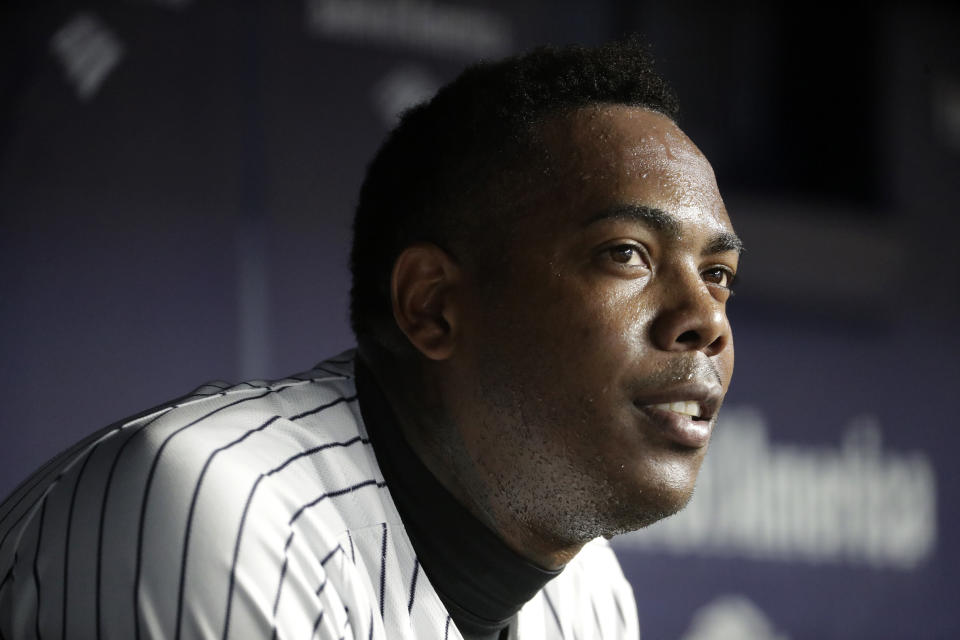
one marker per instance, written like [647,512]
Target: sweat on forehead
[621,145]
[624,135]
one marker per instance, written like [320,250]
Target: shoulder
[173,506]
[257,425]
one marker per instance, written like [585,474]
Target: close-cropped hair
[439,176]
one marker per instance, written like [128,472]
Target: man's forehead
[632,138]
[631,154]
[605,123]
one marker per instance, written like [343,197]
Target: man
[541,264]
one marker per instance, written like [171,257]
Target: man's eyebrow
[657,219]
[660,220]
[723,242]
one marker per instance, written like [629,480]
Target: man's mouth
[685,422]
[684,407]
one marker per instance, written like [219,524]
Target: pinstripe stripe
[553,610]
[66,542]
[353,553]
[316,624]
[330,555]
[303,379]
[199,393]
[446,630]
[383,567]
[283,572]
[9,575]
[596,615]
[338,374]
[623,618]
[7,580]
[103,516]
[413,584]
[334,494]
[334,375]
[322,407]
[36,558]
[236,554]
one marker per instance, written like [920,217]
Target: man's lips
[688,408]
[683,414]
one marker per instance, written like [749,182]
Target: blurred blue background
[177,180]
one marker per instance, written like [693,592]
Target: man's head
[567,336]
[453,169]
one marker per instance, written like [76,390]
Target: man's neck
[420,413]
[482,582]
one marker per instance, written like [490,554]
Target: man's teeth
[686,408]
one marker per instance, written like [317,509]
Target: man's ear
[421,285]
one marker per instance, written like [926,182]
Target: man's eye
[720,276]
[626,254]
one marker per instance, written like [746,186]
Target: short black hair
[437,168]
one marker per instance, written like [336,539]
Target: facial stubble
[531,472]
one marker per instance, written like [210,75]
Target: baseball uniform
[255,510]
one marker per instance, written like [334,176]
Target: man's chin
[642,513]
[621,517]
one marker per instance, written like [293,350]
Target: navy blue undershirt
[481,581]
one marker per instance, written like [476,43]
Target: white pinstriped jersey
[251,511]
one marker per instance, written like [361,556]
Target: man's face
[610,307]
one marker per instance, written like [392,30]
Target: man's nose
[690,318]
